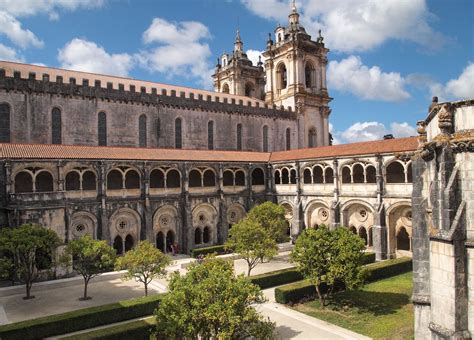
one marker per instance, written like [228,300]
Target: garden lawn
[381,310]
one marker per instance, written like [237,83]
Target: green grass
[381,310]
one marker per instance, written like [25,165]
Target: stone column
[298,219]
[187,241]
[147,209]
[103,231]
[335,206]
[60,176]
[379,231]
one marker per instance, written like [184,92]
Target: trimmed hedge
[219,250]
[368,258]
[80,319]
[139,329]
[376,271]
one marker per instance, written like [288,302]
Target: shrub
[219,250]
[80,319]
[376,271]
[368,258]
[276,278]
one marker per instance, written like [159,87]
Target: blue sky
[387,57]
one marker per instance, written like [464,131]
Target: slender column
[335,211]
[379,231]
[103,231]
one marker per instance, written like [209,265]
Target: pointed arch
[56,126]
[142,140]
[5,122]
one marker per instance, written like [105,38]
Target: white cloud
[253,55]
[11,27]
[357,25]
[180,51]
[9,54]
[367,131]
[19,8]
[350,75]
[87,56]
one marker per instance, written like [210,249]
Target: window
[142,131]
[307,176]
[228,178]
[370,174]
[89,181]
[23,182]
[318,175]
[73,181]
[239,136]
[308,74]
[258,177]
[114,180]
[173,179]
[56,126]
[225,88]
[178,134]
[4,123]
[158,133]
[209,179]
[44,182]
[281,76]
[288,139]
[357,173]
[239,178]
[157,179]
[249,90]
[102,129]
[265,138]
[210,135]
[395,173]
[132,180]
[312,138]
[194,179]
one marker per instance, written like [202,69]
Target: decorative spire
[294,16]
[238,43]
[293,8]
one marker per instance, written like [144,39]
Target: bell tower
[295,69]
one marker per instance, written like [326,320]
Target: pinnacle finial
[237,37]
[293,7]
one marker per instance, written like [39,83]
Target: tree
[89,258]
[210,302]
[271,217]
[29,244]
[328,258]
[252,242]
[144,263]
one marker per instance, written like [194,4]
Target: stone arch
[56,126]
[239,177]
[282,76]
[317,213]
[83,223]
[142,131]
[318,174]
[277,176]
[5,123]
[178,133]
[228,178]
[165,220]
[309,74]
[307,176]
[258,176]
[195,178]
[23,182]
[102,128]
[209,178]
[328,174]
[288,214]
[205,215]
[312,137]
[235,213]
[357,173]
[89,180]
[398,217]
[249,89]
[403,239]
[173,178]
[225,88]
[157,178]
[395,172]
[124,222]
[132,179]
[358,214]
[346,176]
[44,181]
[114,179]
[285,176]
[73,180]
[363,234]
[370,174]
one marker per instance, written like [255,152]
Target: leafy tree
[7,268]
[89,257]
[328,258]
[26,243]
[252,242]
[271,217]
[210,302]
[143,263]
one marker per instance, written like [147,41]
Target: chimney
[389,136]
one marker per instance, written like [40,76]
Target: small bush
[296,291]
[276,278]
[219,250]
[80,319]
[368,258]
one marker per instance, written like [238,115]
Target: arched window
[312,138]
[206,235]
[395,173]
[249,90]
[363,234]
[132,180]
[308,74]
[265,138]
[158,131]
[157,179]
[369,238]
[258,178]
[288,139]
[403,239]
[129,243]
[292,176]
[169,240]
[197,236]
[239,178]
[225,88]
[353,230]
[285,176]
[56,126]
[328,175]
[89,181]
[358,173]
[210,135]
[173,179]
[318,175]
[160,241]
[102,128]
[307,176]
[5,123]
[209,178]
[228,178]
[346,175]
[282,76]
[277,177]
[114,180]
[118,245]
[239,136]
[73,181]
[194,179]
[142,131]
[44,182]
[23,182]
[370,174]
[178,141]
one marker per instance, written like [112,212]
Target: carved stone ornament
[445,118]
[421,129]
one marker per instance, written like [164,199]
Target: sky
[387,58]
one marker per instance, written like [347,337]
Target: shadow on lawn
[377,303]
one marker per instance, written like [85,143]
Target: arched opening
[346,175]
[178,141]
[282,76]
[357,173]
[239,178]
[370,241]
[169,241]
[225,88]
[228,178]
[395,173]
[308,75]
[409,174]
[197,236]
[353,230]
[160,241]
[157,179]
[312,138]
[23,182]
[210,135]
[118,245]
[102,129]
[56,126]
[249,90]
[173,179]
[239,136]
[292,176]
[114,180]
[307,176]
[5,123]
[129,243]
[73,181]
[44,182]
[403,239]
[142,131]
[258,178]
[209,178]
[158,131]
[288,139]
[318,175]
[277,177]
[206,235]
[285,176]
[265,138]
[194,179]
[132,180]
[89,181]
[328,175]
[370,174]
[363,234]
